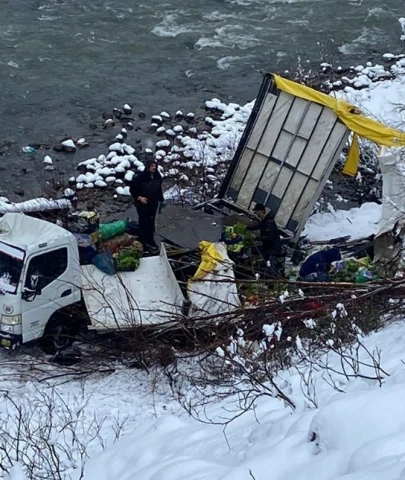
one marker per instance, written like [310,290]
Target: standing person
[272,249]
[146,190]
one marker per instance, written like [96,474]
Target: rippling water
[61,59]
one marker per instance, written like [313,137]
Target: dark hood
[332,255]
[147,173]
[149,163]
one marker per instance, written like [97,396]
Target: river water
[64,61]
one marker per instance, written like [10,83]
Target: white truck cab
[46,294]
[39,276]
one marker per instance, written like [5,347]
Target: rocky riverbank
[193,148]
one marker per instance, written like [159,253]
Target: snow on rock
[128,149]
[129,175]
[69,144]
[123,191]
[163,144]
[116,147]
[357,222]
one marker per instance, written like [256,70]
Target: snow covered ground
[347,425]
[357,433]
[356,222]
[354,430]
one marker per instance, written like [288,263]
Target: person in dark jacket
[271,249]
[146,190]
[317,266]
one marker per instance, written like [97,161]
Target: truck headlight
[11,319]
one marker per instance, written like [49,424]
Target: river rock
[128,126]
[117,113]
[81,143]
[109,123]
[69,146]
[127,109]
[190,117]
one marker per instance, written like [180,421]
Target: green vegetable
[128,259]
[240,235]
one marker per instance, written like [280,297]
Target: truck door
[49,276]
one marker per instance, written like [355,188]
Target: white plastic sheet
[393,202]
[217,292]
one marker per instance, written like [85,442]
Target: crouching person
[317,266]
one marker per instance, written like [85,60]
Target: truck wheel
[57,336]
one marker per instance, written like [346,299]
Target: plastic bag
[105,262]
[110,230]
[132,228]
[364,275]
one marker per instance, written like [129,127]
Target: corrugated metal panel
[285,157]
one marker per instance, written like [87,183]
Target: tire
[58,336]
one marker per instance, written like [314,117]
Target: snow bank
[381,100]
[357,222]
[34,205]
[359,434]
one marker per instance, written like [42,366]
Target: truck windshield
[11,264]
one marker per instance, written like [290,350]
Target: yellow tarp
[351,116]
[210,257]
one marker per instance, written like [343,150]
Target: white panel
[305,200]
[275,124]
[283,145]
[270,174]
[296,151]
[280,187]
[310,120]
[261,121]
[252,179]
[296,115]
[282,182]
[242,168]
[335,138]
[317,141]
[291,195]
[149,295]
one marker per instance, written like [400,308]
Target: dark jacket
[148,185]
[269,234]
[320,262]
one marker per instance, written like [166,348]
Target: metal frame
[294,226]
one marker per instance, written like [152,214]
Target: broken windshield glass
[11,265]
